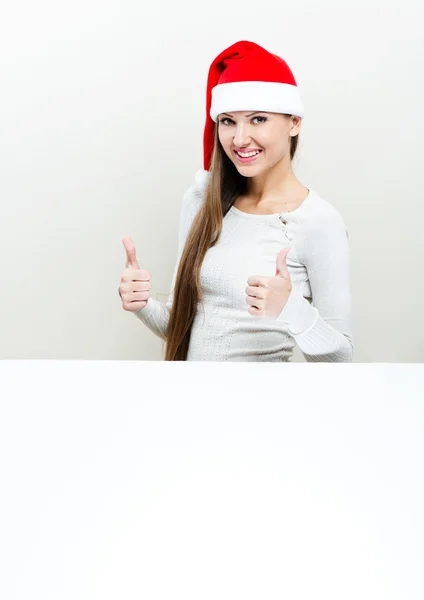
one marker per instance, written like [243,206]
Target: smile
[248,157]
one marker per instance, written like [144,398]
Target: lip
[250,158]
[246,149]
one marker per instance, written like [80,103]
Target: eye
[253,118]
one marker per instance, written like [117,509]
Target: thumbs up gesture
[267,296]
[135,282]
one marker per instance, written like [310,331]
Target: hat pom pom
[201,178]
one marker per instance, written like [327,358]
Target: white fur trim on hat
[266,96]
[201,178]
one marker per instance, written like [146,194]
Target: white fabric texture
[317,316]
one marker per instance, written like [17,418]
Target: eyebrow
[249,115]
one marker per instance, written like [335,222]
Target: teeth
[246,155]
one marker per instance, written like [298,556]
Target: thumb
[282,269]
[130,250]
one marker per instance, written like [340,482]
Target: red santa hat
[245,76]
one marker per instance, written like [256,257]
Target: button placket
[284,227]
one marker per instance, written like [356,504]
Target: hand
[135,282]
[268,296]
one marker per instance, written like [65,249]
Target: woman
[263,261]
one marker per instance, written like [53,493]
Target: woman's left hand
[268,296]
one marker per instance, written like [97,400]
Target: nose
[240,137]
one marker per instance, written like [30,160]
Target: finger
[130,274]
[256,280]
[140,275]
[254,291]
[137,296]
[281,266]
[141,286]
[255,302]
[130,250]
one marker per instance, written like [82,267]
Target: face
[247,131]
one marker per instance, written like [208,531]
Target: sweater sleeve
[323,330]
[155,315]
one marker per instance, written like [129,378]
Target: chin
[249,171]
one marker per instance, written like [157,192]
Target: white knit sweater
[317,316]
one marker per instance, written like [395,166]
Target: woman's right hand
[135,282]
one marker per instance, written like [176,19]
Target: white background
[93,95]
[159,480]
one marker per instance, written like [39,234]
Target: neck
[277,182]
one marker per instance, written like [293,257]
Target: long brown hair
[204,233]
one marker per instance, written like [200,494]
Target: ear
[296,124]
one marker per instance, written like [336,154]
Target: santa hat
[245,76]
